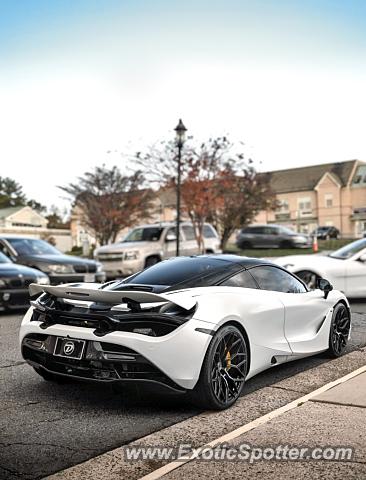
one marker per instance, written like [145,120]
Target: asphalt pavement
[45,427]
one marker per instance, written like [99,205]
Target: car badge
[69,347]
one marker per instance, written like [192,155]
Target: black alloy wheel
[223,371]
[339,330]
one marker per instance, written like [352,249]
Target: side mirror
[171,237]
[325,286]
[362,258]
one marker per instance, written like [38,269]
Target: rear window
[178,270]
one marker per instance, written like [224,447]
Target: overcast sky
[79,78]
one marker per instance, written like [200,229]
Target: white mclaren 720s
[199,325]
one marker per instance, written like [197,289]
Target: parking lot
[47,427]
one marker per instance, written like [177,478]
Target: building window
[360,176]
[304,207]
[283,206]
[304,203]
[360,228]
[328,200]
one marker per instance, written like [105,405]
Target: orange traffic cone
[315,244]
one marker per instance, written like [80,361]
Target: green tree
[11,193]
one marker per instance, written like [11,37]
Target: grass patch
[324,245]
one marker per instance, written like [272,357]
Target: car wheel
[151,261]
[223,371]
[339,330]
[244,245]
[50,377]
[286,244]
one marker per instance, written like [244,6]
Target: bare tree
[242,195]
[110,201]
[218,184]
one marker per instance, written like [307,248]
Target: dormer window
[360,176]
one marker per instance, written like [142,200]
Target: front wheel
[150,261]
[223,371]
[339,330]
[245,245]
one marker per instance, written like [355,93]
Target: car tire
[286,244]
[223,370]
[245,245]
[50,377]
[150,261]
[339,330]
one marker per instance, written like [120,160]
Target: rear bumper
[173,360]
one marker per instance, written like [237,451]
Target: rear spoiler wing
[93,293]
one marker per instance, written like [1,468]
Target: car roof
[164,224]
[13,235]
[264,225]
[246,262]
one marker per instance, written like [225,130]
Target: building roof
[6,212]
[306,178]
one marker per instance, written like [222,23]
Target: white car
[202,325]
[345,268]
[149,244]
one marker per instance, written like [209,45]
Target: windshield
[32,246]
[4,258]
[349,250]
[148,234]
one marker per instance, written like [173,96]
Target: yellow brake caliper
[228,360]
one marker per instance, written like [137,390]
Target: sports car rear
[115,336]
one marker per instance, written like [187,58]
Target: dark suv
[60,268]
[271,236]
[325,233]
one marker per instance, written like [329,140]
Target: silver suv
[148,244]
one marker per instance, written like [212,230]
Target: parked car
[14,283]
[345,268]
[325,233]
[149,244]
[200,325]
[271,236]
[59,267]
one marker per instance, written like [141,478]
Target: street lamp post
[180,130]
